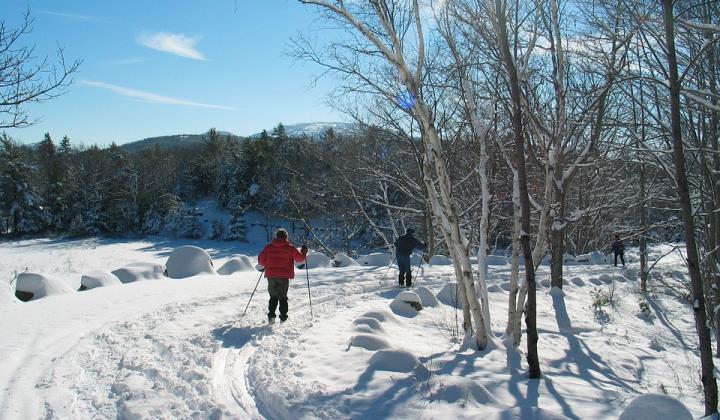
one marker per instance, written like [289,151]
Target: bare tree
[393,29]
[24,79]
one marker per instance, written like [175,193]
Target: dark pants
[278,288]
[405,276]
[622,257]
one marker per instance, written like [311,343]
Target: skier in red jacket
[278,258]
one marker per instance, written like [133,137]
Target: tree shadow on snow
[237,337]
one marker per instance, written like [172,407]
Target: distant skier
[278,258]
[404,246]
[619,250]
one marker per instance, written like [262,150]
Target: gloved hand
[304,249]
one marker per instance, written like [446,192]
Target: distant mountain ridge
[314,130]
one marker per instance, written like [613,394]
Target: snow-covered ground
[177,348]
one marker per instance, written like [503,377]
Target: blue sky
[161,67]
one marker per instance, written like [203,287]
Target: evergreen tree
[21,207]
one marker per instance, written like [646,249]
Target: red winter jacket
[277,257]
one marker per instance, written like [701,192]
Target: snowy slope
[176,348]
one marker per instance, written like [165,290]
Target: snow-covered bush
[217,230]
[654,407]
[343,260]
[98,278]
[188,261]
[406,304]
[140,271]
[168,215]
[376,259]
[318,260]
[33,286]
[449,295]
[236,264]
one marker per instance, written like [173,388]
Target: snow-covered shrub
[393,360]
[33,286]
[644,307]
[236,264]
[602,298]
[98,278]
[140,271]
[188,261]
[343,260]
[376,259]
[168,215]
[406,304]
[654,407]
[449,295]
[318,260]
[427,298]
[369,342]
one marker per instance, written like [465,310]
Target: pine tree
[22,208]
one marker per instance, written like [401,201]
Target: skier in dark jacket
[278,258]
[404,246]
[619,250]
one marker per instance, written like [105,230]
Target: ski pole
[251,295]
[387,271]
[307,277]
[418,268]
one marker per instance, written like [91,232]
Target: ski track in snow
[185,354]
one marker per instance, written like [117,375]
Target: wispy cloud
[67,15]
[124,61]
[151,97]
[177,44]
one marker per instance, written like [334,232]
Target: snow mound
[495,288]
[427,297]
[597,258]
[140,271]
[318,260]
[369,342]
[545,260]
[377,259]
[41,285]
[236,264]
[605,278]
[528,413]
[440,260]
[406,304]
[505,286]
[98,278]
[655,407]
[450,295]
[569,259]
[369,324]
[496,260]
[596,281]
[188,261]
[577,281]
[343,260]
[584,259]
[452,389]
[393,360]
[382,316]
